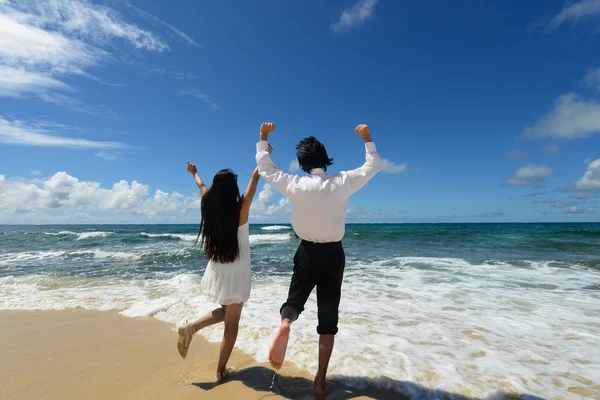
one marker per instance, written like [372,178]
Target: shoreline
[347,223]
[87,354]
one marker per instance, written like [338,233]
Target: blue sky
[484,111]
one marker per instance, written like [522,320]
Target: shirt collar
[316,171]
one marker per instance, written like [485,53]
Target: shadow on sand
[263,379]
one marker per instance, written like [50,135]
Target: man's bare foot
[221,377]
[279,346]
[319,386]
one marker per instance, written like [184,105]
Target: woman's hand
[191,168]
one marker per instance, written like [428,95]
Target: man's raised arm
[266,167]
[357,178]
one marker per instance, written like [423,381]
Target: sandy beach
[79,354]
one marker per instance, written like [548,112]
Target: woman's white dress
[230,283]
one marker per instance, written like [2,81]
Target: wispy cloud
[576,210]
[582,195]
[551,149]
[110,156]
[574,12]
[17,82]
[20,133]
[209,100]
[354,17]
[562,204]
[592,78]
[390,167]
[172,72]
[591,177]
[294,166]
[43,42]
[571,117]
[517,154]
[535,194]
[491,214]
[528,175]
[176,31]
[35,172]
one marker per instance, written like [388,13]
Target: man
[319,202]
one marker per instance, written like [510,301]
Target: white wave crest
[61,233]
[90,235]
[180,236]
[270,238]
[275,228]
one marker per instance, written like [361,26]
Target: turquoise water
[468,308]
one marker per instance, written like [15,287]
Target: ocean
[471,309]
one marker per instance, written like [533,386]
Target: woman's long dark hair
[220,211]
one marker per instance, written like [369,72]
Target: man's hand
[364,132]
[265,129]
[191,168]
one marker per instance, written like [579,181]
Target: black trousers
[321,265]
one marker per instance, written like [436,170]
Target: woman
[225,239]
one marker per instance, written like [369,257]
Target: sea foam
[409,324]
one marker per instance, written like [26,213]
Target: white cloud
[265,206]
[19,133]
[110,155]
[591,177]
[576,210]
[571,117]
[517,154]
[66,195]
[23,44]
[294,166]
[172,72]
[563,204]
[551,149]
[390,167]
[354,17]
[17,82]
[582,195]
[75,104]
[209,100]
[42,42]
[178,32]
[592,78]
[529,174]
[94,22]
[576,11]
[35,172]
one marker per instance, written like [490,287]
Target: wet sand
[79,354]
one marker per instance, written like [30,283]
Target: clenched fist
[363,131]
[191,168]
[266,128]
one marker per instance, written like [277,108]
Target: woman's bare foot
[279,346]
[186,334]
